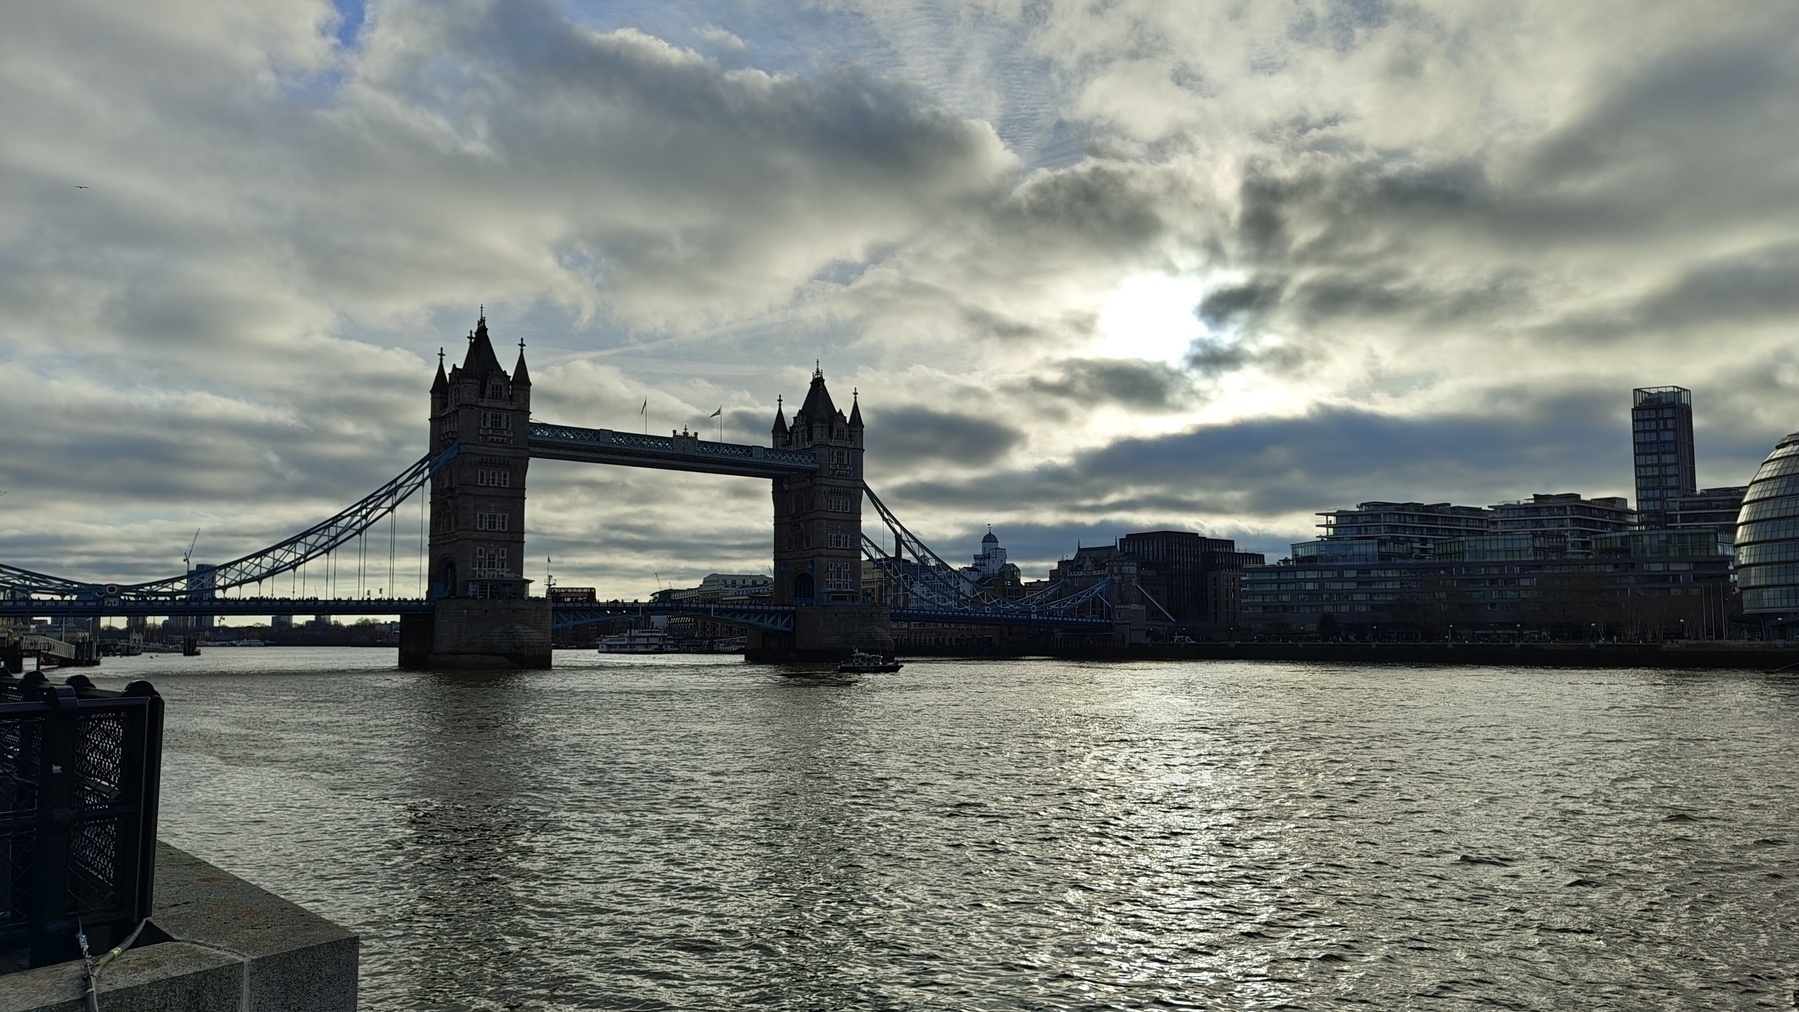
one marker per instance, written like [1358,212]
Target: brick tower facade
[478,499]
[483,616]
[818,539]
[818,516]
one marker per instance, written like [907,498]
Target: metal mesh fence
[79,773]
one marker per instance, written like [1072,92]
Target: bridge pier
[826,632]
[472,633]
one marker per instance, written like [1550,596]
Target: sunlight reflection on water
[698,833]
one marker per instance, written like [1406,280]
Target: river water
[697,833]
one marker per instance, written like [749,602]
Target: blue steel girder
[319,539]
[1001,617]
[671,453]
[105,606]
[770,617]
[16,582]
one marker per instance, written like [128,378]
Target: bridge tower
[484,616]
[818,535]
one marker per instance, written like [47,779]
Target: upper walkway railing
[684,452]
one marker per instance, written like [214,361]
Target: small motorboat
[864,663]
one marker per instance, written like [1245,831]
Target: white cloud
[1008,224]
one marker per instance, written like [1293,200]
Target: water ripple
[694,833]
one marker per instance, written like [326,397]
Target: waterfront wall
[215,943]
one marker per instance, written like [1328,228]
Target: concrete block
[213,942]
[154,978]
[297,959]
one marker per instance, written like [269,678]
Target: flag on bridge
[720,411]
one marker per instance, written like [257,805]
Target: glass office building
[1767,538]
[1661,431]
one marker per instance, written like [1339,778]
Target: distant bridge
[483,439]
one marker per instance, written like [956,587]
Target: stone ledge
[213,942]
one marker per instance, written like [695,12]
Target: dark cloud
[1101,206]
[1758,284]
[1225,306]
[901,437]
[1574,441]
[1144,386]
[1210,357]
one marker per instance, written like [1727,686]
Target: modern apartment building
[1661,433]
[1405,530]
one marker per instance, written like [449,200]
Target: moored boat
[864,663]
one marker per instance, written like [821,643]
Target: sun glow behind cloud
[1150,316]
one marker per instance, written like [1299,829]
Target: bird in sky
[78,186]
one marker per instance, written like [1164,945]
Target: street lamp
[1452,634]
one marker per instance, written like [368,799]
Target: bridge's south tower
[818,516]
[484,616]
[818,532]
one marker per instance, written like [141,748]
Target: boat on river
[637,641]
[864,663]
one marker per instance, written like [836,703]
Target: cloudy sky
[1094,267]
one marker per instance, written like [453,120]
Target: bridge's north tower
[483,615]
[478,499]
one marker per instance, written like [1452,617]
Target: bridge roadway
[564,615]
[779,617]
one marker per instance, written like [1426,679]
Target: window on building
[490,563]
[493,522]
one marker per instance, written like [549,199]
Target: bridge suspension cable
[929,579]
[932,583]
[317,541]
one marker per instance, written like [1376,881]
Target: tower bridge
[477,610]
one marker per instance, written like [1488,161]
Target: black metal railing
[80,769]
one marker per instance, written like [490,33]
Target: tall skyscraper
[1661,430]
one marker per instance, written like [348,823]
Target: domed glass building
[1767,543]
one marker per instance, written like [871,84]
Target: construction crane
[188,556]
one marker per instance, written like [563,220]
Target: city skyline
[1093,272]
